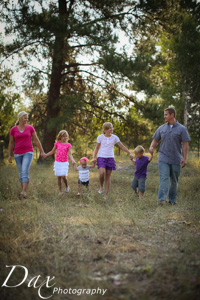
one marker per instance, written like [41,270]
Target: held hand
[151,150]
[73,162]
[94,160]
[43,155]
[134,162]
[131,156]
[151,157]
[183,163]
[10,159]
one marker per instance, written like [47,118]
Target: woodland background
[75,64]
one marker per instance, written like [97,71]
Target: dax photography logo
[35,282]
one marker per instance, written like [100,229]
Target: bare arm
[38,144]
[151,157]
[96,150]
[133,161]
[153,145]
[10,148]
[92,165]
[75,167]
[185,153]
[125,149]
[71,156]
[51,152]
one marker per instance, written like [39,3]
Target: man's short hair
[171,110]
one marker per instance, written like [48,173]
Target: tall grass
[132,247]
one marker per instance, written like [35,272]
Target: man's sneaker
[172,203]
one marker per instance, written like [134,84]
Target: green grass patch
[133,248]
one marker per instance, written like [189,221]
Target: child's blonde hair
[139,149]
[107,125]
[61,134]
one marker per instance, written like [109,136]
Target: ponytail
[20,115]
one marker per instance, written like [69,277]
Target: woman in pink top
[21,141]
[61,163]
[105,161]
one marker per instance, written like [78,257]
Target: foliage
[84,80]
[61,32]
[8,101]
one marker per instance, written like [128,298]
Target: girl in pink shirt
[61,164]
[105,161]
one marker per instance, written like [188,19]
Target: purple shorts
[107,163]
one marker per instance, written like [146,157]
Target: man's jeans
[23,163]
[167,171]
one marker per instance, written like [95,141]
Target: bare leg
[136,192]
[141,194]
[107,181]
[102,172]
[79,189]
[59,184]
[65,181]
[24,187]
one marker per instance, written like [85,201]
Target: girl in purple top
[140,174]
[105,161]
[61,164]
[21,141]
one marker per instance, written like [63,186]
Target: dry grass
[135,249]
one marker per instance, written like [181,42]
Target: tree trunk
[55,81]
[185,109]
[1,151]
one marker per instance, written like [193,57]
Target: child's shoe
[67,190]
[100,192]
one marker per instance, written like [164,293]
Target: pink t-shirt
[106,149]
[23,141]
[62,151]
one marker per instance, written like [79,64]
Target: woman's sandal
[22,195]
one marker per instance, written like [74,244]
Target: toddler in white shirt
[84,173]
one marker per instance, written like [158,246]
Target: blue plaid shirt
[170,150]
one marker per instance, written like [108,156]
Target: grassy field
[133,248]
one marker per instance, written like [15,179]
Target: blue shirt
[171,138]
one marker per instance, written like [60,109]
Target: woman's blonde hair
[107,125]
[139,149]
[61,134]
[20,115]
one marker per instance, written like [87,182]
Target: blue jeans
[23,163]
[166,172]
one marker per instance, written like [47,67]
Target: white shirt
[106,149]
[84,173]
